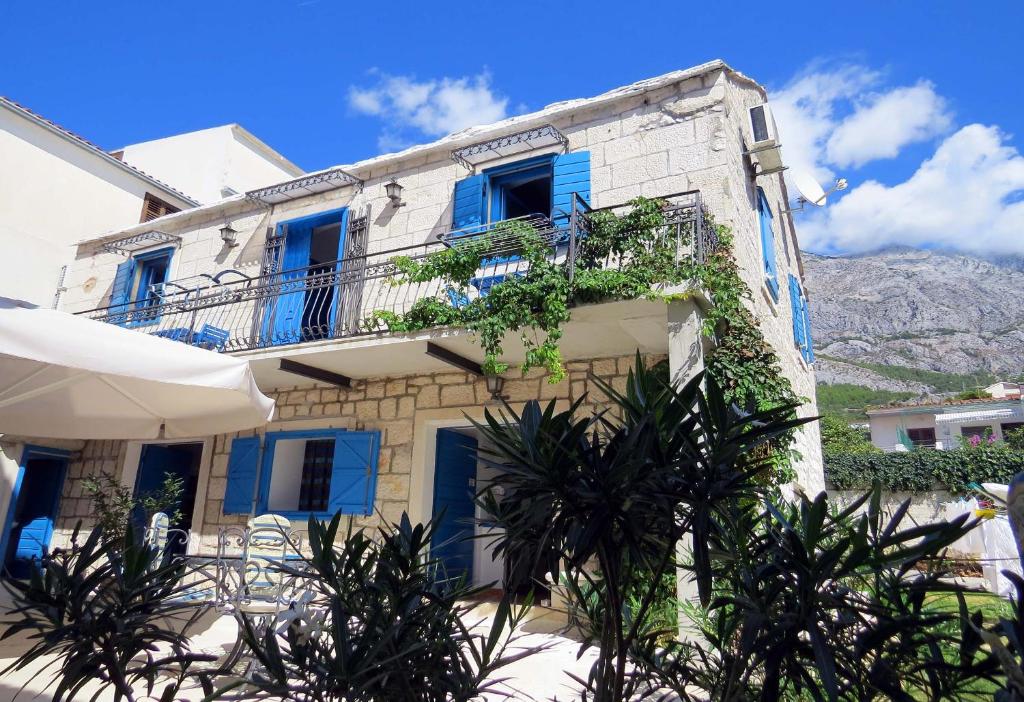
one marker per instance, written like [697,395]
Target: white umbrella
[64,376]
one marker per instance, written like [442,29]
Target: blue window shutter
[120,293]
[808,338]
[796,308]
[243,467]
[570,174]
[354,473]
[470,195]
[764,213]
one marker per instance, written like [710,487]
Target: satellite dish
[809,189]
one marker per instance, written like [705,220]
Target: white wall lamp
[229,235]
[394,192]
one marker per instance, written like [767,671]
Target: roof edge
[476,133]
[88,146]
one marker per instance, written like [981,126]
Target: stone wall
[687,135]
[396,407]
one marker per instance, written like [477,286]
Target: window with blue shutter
[571,174]
[468,208]
[808,337]
[764,216]
[243,467]
[543,185]
[801,319]
[121,291]
[319,472]
[151,272]
[796,308]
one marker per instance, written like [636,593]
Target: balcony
[231,312]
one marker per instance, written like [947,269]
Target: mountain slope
[930,310]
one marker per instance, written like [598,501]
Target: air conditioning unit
[764,141]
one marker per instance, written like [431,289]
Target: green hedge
[924,469]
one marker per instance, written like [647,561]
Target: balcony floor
[595,331]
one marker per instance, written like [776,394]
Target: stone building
[374,422]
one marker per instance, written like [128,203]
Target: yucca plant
[824,605]
[384,624]
[110,615]
[612,494]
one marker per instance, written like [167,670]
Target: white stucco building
[211,164]
[943,425]
[375,422]
[57,188]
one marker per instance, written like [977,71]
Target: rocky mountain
[929,310]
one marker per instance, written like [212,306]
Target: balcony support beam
[454,359]
[314,373]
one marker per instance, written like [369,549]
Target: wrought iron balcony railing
[231,311]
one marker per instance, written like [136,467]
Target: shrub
[925,469]
[385,625]
[104,611]
[838,436]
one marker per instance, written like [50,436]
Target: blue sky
[918,104]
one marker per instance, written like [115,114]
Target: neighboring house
[57,188]
[376,423]
[211,164]
[1004,390]
[943,425]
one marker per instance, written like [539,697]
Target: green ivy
[925,469]
[537,303]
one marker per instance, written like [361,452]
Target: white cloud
[806,114]
[967,196]
[888,122]
[432,107]
[844,118]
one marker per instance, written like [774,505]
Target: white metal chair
[262,591]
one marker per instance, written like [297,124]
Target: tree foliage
[837,436]
[109,614]
[384,624]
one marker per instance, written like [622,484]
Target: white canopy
[982,415]
[64,376]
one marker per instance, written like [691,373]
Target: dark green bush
[924,469]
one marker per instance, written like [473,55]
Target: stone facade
[680,132]
[396,407]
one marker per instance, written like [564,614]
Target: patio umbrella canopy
[63,376]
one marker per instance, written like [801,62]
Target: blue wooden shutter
[291,300]
[796,308]
[808,338]
[243,467]
[764,212]
[354,473]
[570,174]
[470,195]
[120,292]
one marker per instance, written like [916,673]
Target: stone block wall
[687,135]
[393,406]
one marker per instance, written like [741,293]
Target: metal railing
[231,311]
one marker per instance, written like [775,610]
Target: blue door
[155,465]
[297,304]
[454,487]
[33,510]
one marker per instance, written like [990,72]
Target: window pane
[922,437]
[315,490]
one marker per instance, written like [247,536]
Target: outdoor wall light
[229,235]
[495,384]
[394,192]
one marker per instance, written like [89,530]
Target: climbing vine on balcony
[536,300]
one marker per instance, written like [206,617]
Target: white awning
[69,377]
[982,415]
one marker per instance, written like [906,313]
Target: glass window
[922,437]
